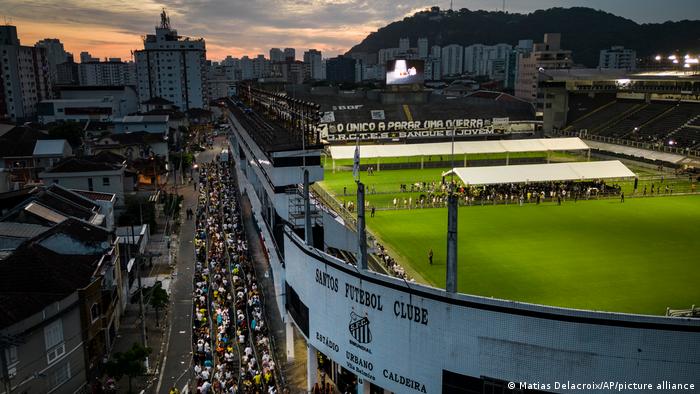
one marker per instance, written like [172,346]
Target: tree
[135,209]
[129,363]
[158,299]
[70,131]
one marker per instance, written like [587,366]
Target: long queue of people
[232,347]
[394,268]
[215,366]
[434,194]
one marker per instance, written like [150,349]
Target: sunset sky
[112,28]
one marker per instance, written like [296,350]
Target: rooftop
[51,260]
[50,147]
[20,141]
[85,164]
[143,119]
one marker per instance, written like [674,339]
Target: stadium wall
[407,337]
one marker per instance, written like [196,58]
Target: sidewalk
[294,373]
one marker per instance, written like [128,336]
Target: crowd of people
[230,336]
[434,194]
[394,268]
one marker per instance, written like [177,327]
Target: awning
[527,173]
[460,148]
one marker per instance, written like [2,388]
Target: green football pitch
[637,257]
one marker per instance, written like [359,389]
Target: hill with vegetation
[585,31]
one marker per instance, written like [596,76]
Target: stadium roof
[460,148]
[577,171]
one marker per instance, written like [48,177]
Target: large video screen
[404,71]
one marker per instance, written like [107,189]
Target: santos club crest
[359,328]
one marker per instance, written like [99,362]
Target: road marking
[182,332]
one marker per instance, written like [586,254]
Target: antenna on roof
[164,20]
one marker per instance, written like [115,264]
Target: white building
[149,123]
[221,80]
[25,77]
[261,67]
[618,57]
[423,48]
[487,60]
[112,72]
[547,55]
[172,67]
[247,69]
[386,54]
[404,44]
[313,58]
[452,59]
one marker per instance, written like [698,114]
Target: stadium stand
[581,105]
[687,137]
[602,116]
[659,129]
[627,125]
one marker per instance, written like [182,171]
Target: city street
[175,371]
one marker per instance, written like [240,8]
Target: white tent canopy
[460,148]
[577,171]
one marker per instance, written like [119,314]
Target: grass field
[386,184]
[636,257]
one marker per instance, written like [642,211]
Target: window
[53,335]
[60,375]
[105,181]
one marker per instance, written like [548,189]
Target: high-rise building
[67,72]
[524,46]
[247,69]
[24,77]
[290,54]
[452,59]
[423,48]
[489,60]
[261,67]
[618,57]
[172,67]
[404,44]
[312,57]
[55,54]
[111,72]
[544,56]
[341,69]
[221,80]
[276,55]
[86,57]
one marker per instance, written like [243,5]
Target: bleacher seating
[686,137]
[661,128]
[582,104]
[626,126]
[603,115]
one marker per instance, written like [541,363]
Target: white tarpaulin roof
[576,171]
[460,148]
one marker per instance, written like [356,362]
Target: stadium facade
[404,337]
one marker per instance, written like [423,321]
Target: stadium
[481,246]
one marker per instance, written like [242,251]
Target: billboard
[404,72]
